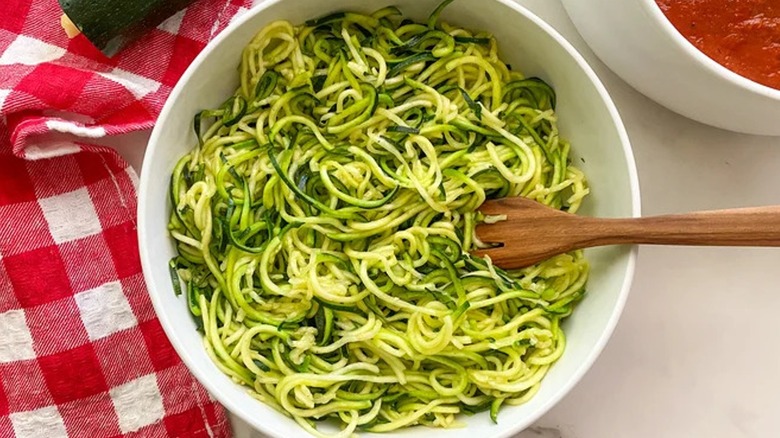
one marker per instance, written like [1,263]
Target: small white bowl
[587,117]
[636,40]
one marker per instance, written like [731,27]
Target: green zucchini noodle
[324,223]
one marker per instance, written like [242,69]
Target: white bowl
[636,40]
[587,117]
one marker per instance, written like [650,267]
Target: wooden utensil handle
[759,226]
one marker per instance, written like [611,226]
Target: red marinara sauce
[741,35]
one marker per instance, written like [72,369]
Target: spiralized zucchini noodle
[324,223]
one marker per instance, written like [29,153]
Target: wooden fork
[533,232]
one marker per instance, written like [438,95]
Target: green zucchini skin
[112,24]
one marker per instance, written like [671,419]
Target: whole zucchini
[111,24]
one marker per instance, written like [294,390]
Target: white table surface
[697,351]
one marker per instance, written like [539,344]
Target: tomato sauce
[742,35]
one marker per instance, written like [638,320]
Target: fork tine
[507,258]
[486,252]
[491,233]
[502,256]
[492,206]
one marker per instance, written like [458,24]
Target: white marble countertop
[696,353]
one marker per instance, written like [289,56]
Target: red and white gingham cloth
[81,352]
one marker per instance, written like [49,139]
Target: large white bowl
[587,117]
[636,40]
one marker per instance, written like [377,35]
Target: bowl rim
[654,12]
[203,375]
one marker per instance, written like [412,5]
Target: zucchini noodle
[324,223]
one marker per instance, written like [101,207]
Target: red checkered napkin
[81,352]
